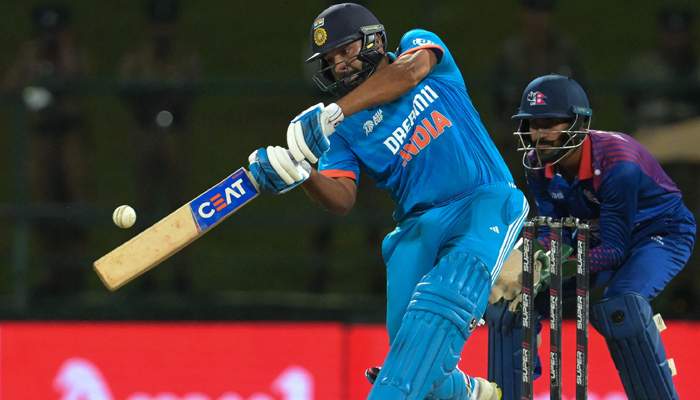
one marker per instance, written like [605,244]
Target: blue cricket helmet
[552,96]
[337,26]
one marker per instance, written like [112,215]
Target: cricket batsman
[641,235]
[405,118]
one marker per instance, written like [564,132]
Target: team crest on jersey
[536,99]
[320,36]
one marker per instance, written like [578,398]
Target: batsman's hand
[275,170]
[540,278]
[509,285]
[510,282]
[307,134]
[542,275]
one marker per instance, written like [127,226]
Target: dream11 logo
[80,379]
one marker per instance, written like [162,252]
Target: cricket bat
[169,235]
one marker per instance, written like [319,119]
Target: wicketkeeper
[641,235]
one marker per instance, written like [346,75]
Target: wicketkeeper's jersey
[621,188]
[426,147]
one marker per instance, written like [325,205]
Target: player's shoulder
[619,151]
[419,32]
[605,141]
[418,37]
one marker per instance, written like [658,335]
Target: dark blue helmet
[552,96]
[337,26]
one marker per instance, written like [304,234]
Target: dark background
[264,262]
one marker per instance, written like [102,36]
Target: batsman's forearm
[366,96]
[331,194]
[388,83]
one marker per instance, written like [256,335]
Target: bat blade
[169,235]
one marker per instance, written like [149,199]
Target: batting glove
[307,134]
[274,169]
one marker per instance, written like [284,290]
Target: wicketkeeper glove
[307,134]
[510,282]
[275,170]
[544,277]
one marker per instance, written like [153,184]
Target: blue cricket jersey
[426,147]
[621,188]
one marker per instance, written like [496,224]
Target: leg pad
[444,310]
[632,336]
[505,349]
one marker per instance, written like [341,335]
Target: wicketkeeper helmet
[552,96]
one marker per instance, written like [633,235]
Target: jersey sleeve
[619,192]
[339,161]
[418,39]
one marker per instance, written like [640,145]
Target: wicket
[529,339]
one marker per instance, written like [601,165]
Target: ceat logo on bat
[536,99]
[223,199]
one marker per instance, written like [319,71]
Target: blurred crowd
[59,143]
[60,153]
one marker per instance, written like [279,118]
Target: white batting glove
[274,169]
[307,134]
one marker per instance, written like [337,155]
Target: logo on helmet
[536,99]
[320,36]
[319,23]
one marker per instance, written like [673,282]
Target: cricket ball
[124,216]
